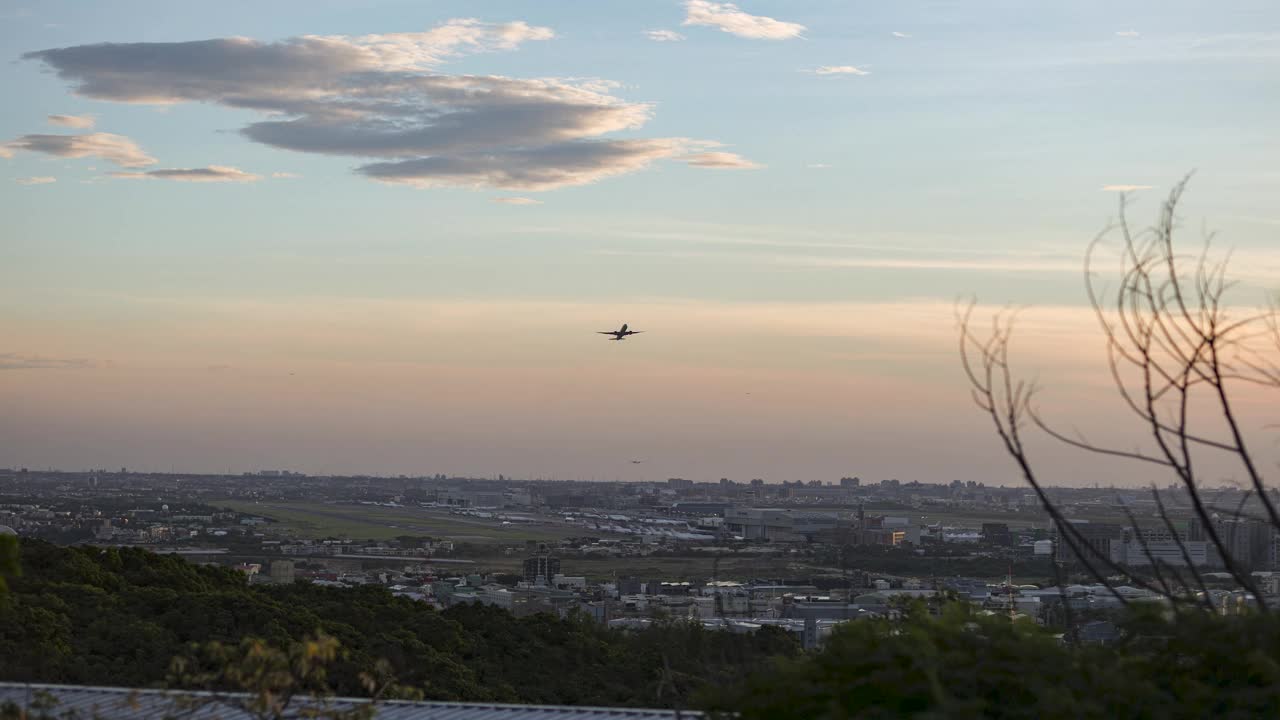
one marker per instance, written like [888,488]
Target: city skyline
[380,236]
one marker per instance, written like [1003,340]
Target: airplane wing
[605,332]
[634,332]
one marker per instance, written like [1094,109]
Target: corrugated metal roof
[79,702]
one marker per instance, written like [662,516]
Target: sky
[342,236]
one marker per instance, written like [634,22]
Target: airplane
[636,462]
[620,334]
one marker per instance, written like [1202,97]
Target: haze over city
[380,237]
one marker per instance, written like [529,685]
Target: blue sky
[957,148]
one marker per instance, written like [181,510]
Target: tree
[965,663]
[1180,357]
[117,616]
[270,683]
[9,564]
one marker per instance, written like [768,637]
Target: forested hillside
[118,617]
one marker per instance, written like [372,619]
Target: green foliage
[967,665]
[8,559]
[117,617]
[267,682]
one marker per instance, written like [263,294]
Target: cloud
[115,148]
[720,161]
[663,35]
[72,121]
[517,201]
[414,50]
[839,70]
[278,76]
[1128,33]
[37,180]
[377,97]
[530,169]
[901,34]
[804,260]
[1123,188]
[285,175]
[20,361]
[213,173]
[729,18]
[817,166]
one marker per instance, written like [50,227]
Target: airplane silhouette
[620,334]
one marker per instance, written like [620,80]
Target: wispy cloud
[22,361]
[37,180]
[817,166]
[901,34]
[802,260]
[1260,47]
[72,121]
[731,19]
[1123,188]
[213,173]
[517,201]
[663,35]
[838,70]
[114,148]
[285,175]
[720,160]
[1128,33]
[379,97]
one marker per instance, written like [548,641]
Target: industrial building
[776,525]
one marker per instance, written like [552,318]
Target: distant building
[777,525]
[700,508]
[282,571]
[1151,545]
[540,569]
[1102,537]
[1144,546]
[819,492]
[630,586]
[1250,542]
[679,483]
[997,534]
[473,498]
[1098,632]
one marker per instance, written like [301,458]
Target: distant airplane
[636,462]
[620,334]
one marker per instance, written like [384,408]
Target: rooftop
[84,702]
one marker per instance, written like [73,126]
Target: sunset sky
[380,235]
